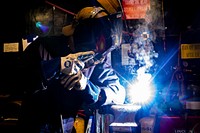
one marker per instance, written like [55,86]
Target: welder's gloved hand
[72,63]
[77,81]
[71,66]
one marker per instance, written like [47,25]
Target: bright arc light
[141,91]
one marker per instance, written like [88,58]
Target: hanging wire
[126,26]
[163,18]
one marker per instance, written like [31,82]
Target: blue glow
[43,28]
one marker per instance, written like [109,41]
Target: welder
[60,78]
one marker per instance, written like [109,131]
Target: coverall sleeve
[91,93]
[106,79]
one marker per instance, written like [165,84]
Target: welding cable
[60,8]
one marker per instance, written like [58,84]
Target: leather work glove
[77,81]
[71,74]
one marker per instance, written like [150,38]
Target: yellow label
[190,51]
[11,47]
[79,125]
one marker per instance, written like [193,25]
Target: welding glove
[72,63]
[71,74]
[75,81]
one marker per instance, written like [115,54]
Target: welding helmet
[85,13]
[93,29]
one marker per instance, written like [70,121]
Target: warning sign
[190,51]
[135,9]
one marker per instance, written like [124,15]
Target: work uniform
[48,102]
[46,99]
